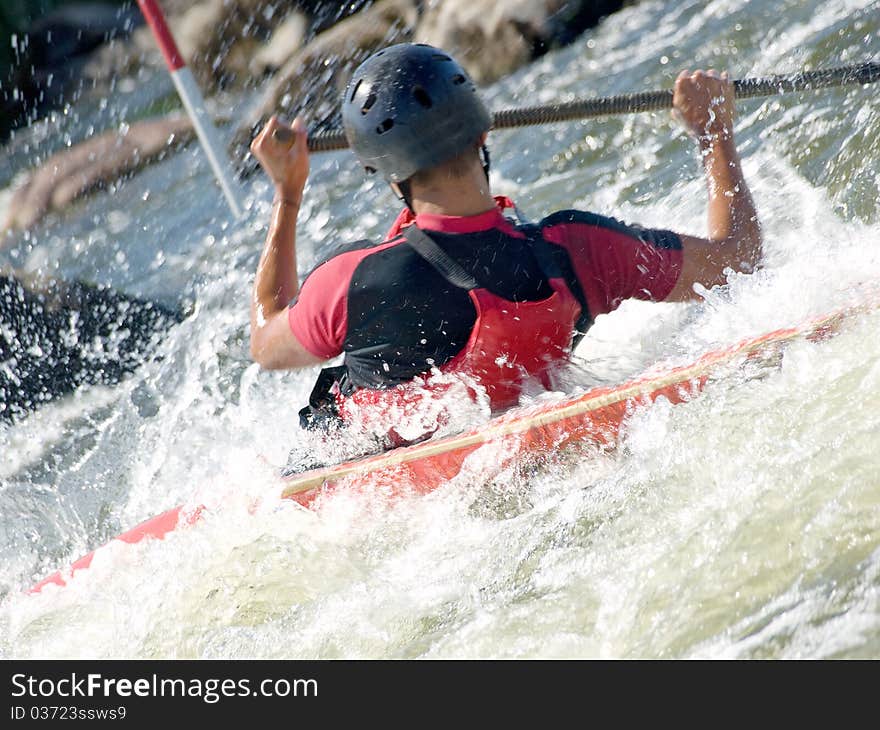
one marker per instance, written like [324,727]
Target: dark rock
[49,52]
[574,17]
[56,336]
[313,78]
[492,39]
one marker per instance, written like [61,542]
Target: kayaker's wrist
[717,140]
[284,197]
[281,201]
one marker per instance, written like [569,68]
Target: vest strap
[448,267]
[555,266]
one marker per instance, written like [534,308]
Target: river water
[743,524]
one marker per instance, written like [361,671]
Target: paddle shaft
[646,101]
[194,103]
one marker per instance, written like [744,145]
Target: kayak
[593,418]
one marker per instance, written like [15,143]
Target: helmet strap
[405,194]
[486,163]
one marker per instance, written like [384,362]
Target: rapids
[744,524]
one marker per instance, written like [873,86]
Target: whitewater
[742,524]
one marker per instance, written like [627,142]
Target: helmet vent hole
[458,79]
[441,57]
[385,126]
[422,97]
[368,104]
[370,170]
[355,90]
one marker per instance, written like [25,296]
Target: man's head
[409,109]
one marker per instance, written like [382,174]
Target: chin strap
[405,194]
[486,164]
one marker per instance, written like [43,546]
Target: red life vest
[510,344]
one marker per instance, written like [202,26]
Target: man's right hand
[704,102]
[286,163]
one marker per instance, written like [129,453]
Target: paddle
[645,101]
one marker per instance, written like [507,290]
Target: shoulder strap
[450,269]
[555,263]
[544,255]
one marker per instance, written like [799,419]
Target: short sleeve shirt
[386,299]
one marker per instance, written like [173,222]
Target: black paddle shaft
[649,101]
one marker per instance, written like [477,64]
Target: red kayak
[592,418]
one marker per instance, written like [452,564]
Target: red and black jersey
[395,316]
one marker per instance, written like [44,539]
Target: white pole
[194,103]
[207,133]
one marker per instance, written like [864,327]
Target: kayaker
[458,292]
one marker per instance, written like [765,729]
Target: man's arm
[273,344]
[705,104]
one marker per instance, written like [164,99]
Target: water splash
[743,524]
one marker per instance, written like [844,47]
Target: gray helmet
[410,107]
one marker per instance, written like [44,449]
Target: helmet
[410,107]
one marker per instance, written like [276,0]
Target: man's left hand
[286,163]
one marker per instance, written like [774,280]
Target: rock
[576,16]
[222,41]
[219,39]
[196,31]
[70,173]
[44,50]
[287,39]
[492,39]
[214,38]
[326,13]
[489,39]
[57,336]
[312,79]
[118,58]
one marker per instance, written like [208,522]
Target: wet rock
[215,38]
[56,336]
[286,40]
[488,39]
[72,172]
[221,39]
[492,39]
[229,42]
[43,52]
[313,78]
[312,55]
